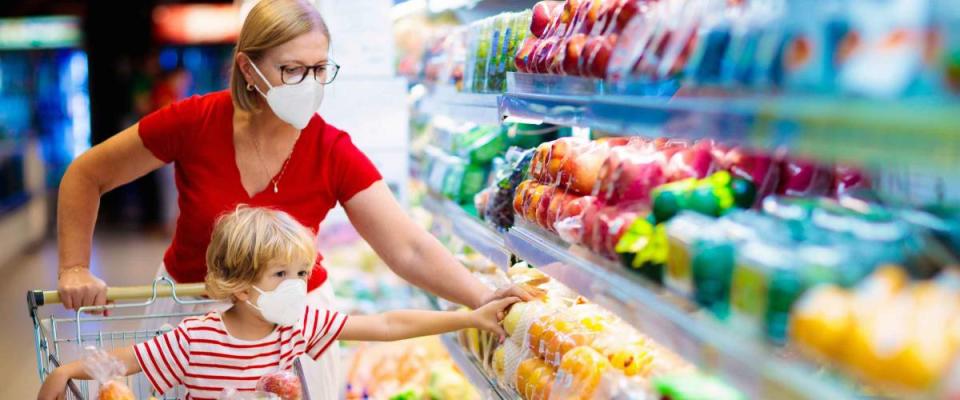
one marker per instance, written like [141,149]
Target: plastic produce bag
[285,384]
[108,372]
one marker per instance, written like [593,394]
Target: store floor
[119,258]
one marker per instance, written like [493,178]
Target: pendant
[275,188]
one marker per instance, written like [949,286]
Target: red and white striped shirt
[200,355]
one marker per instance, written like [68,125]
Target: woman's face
[306,50]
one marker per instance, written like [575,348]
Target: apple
[520,194]
[542,54]
[571,64]
[570,221]
[284,384]
[626,10]
[558,204]
[630,174]
[544,13]
[523,58]
[694,162]
[588,224]
[598,57]
[554,58]
[531,206]
[581,172]
[543,207]
[597,15]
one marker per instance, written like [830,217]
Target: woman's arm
[117,161]
[413,253]
[406,324]
[56,383]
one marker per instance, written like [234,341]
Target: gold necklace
[283,168]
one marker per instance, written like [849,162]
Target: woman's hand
[55,386]
[508,292]
[78,287]
[489,316]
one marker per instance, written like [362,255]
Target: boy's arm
[56,383]
[405,324]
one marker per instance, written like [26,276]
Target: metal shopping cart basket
[62,338]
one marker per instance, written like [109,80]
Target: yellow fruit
[631,359]
[583,367]
[500,361]
[821,320]
[115,390]
[512,319]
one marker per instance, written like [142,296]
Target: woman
[260,143]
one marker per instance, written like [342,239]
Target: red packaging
[523,57]
[608,225]
[570,220]
[629,174]
[579,173]
[544,14]
[695,162]
[761,169]
[848,178]
[804,178]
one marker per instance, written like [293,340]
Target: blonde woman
[260,260]
[259,143]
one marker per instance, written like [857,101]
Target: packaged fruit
[284,384]
[630,173]
[535,378]
[580,373]
[108,371]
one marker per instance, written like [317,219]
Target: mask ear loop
[261,77]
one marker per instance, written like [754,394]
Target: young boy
[260,260]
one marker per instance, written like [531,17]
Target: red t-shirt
[196,134]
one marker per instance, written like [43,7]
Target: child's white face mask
[283,305]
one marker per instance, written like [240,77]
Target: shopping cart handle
[43,297]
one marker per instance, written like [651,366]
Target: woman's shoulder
[202,103]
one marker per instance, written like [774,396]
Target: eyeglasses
[322,73]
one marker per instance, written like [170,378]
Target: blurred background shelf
[759,370]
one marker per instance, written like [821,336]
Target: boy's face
[272,277]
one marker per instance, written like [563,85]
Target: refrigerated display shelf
[481,109]
[870,132]
[471,368]
[479,236]
[758,369]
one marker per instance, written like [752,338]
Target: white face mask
[294,104]
[283,305]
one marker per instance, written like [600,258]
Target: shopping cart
[62,338]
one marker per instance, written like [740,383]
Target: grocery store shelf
[471,368]
[756,368]
[480,237]
[479,109]
[871,132]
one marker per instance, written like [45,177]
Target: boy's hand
[489,316]
[54,387]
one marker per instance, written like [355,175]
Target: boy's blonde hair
[269,24]
[245,241]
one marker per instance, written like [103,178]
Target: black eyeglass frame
[293,79]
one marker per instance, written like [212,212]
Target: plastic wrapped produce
[108,372]
[630,174]
[284,384]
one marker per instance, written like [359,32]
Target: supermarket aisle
[118,258]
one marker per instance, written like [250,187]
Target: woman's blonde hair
[246,241]
[270,23]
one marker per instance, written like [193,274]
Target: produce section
[749,196]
